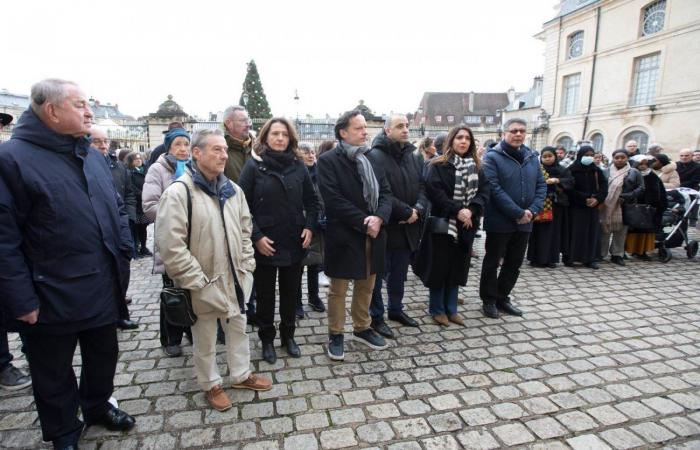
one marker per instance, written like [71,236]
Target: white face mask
[645,172]
[587,160]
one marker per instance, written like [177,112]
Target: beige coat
[204,268]
[669,176]
[158,178]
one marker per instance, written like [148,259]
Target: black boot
[292,347]
[268,352]
[490,310]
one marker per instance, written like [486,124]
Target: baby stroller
[674,224]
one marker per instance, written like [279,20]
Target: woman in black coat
[548,238]
[640,241]
[458,192]
[138,223]
[589,190]
[284,206]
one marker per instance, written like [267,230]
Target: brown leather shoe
[460,300]
[255,383]
[218,399]
[456,319]
[442,320]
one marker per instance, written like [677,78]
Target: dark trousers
[395,271]
[139,234]
[265,282]
[495,287]
[171,334]
[5,355]
[311,284]
[56,391]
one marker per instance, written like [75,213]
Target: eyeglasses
[517,131]
[100,141]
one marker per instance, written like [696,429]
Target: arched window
[637,135]
[597,142]
[653,17]
[575,45]
[566,142]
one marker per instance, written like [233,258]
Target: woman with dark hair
[640,241]
[550,228]
[324,146]
[458,192]
[665,169]
[284,206]
[588,190]
[427,149]
[138,223]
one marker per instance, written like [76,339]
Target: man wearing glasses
[517,195]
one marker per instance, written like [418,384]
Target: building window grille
[646,69]
[653,18]
[575,45]
[566,142]
[597,142]
[572,85]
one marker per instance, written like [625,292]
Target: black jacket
[589,181]
[278,200]
[137,180]
[65,242]
[440,187]
[633,186]
[121,177]
[403,170]
[346,210]
[689,173]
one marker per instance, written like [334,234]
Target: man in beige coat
[217,266]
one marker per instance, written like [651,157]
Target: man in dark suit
[65,246]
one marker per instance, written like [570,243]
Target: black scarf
[513,152]
[278,161]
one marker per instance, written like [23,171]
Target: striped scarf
[466,186]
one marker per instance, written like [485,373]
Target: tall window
[572,85]
[646,69]
[653,17]
[450,119]
[472,119]
[641,137]
[575,45]
[566,142]
[597,142]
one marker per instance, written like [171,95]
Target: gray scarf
[466,186]
[370,185]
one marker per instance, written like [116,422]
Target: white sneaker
[323,280]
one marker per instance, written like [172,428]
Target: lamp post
[245,100]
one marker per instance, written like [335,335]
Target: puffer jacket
[669,176]
[158,178]
[221,235]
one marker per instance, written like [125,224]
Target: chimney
[471,101]
[511,95]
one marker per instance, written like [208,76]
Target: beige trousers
[361,298]
[204,350]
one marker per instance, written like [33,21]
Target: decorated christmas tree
[253,96]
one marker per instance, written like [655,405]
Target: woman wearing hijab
[640,241]
[665,169]
[284,206]
[458,192]
[589,190]
[625,185]
[550,234]
[167,168]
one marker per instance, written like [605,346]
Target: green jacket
[237,157]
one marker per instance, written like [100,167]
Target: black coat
[65,242]
[121,177]
[589,181]
[282,202]
[137,180]
[346,210]
[655,195]
[689,174]
[403,170]
[442,261]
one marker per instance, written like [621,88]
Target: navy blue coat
[64,233]
[515,187]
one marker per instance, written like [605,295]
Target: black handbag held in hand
[175,302]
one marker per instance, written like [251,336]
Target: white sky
[136,52]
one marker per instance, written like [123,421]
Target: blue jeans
[395,271]
[443,301]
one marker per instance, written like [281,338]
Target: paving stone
[652,432]
[508,411]
[358,397]
[443,402]
[238,432]
[344,437]
[347,415]
[607,415]
[277,425]
[475,397]
[325,401]
[621,438]
[383,411]
[411,428]
[198,437]
[475,440]
[408,445]
[513,434]
[375,432]
[257,410]
[301,441]
[185,419]
[681,426]
[313,421]
[539,405]
[159,441]
[446,442]
[587,442]
[413,407]
[262,445]
[546,428]
[567,400]
[477,416]
[576,421]
[662,405]
[445,422]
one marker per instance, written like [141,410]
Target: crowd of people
[240,216]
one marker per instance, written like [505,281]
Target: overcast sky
[136,52]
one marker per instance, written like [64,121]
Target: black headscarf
[577,166]
[664,160]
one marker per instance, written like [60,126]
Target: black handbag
[176,303]
[438,225]
[638,216]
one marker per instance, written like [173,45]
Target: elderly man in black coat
[357,198]
[394,154]
[65,246]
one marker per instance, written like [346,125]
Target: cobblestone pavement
[602,359]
